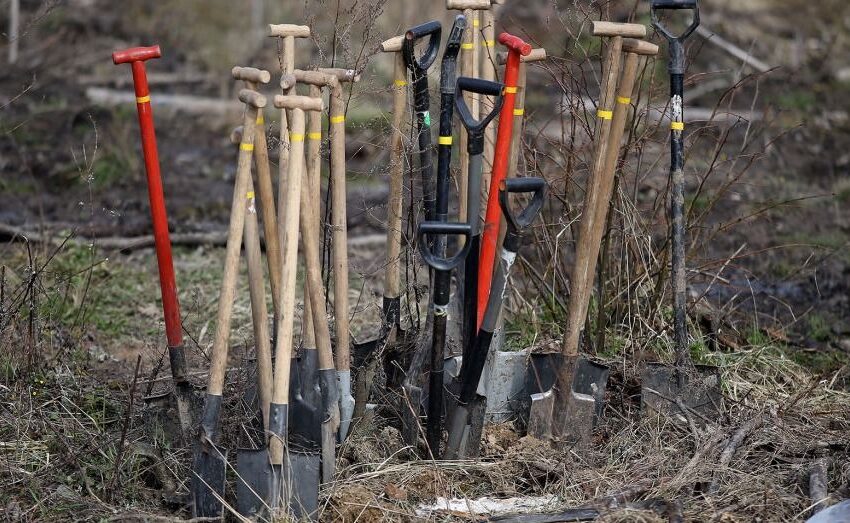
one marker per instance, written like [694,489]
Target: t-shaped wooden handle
[343,75]
[251,74]
[136,54]
[284,30]
[318,78]
[305,103]
[536,55]
[252,98]
[601,28]
[393,45]
[641,47]
[467,4]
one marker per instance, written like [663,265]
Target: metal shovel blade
[256,484]
[208,465]
[699,389]
[305,413]
[305,469]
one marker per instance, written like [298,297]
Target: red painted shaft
[493,217]
[168,285]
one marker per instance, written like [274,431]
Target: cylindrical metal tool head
[284,30]
[601,28]
[251,74]
[252,98]
[305,103]
[136,54]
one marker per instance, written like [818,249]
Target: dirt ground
[768,264]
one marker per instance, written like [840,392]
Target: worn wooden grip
[601,28]
[343,75]
[305,103]
[393,45]
[236,135]
[283,30]
[251,74]
[467,4]
[287,81]
[318,78]
[536,55]
[252,98]
[641,47]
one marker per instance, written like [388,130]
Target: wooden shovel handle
[289,30]
[392,282]
[312,186]
[319,78]
[218,356]
[251,74]
[603,28]
[392,45]
[467,4]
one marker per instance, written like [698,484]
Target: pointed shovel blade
[256,482]
[208,474]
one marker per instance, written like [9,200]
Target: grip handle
[439,262]
[449,65]
[515,43]
[136,54]
[661,5]
[532,185]
[432,29]
[475,128]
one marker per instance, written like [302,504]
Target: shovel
[183,396]
[569,408]
[209,462]
[262,479]
[698,387]
[459,441]
[443,267]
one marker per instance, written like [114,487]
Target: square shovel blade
[208,474]
[257,482]
[305,470]
[700,389]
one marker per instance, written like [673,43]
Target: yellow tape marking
[260,119]
[510,90]
[445,140]
[677,126]
[246,146]
[400,83]
[296,137]
[605,115]
[623,100]
[314,136]
[488,43]
[519,112]
[143,99]
[337,119]
[467,46]
[476,23]
[250,195]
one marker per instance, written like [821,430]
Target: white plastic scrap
[488,506]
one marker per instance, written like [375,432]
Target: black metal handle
[408,48]
[475,128]
[435,260]
[659,5]
[534,185]
[449,65]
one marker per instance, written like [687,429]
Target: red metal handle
[136,54]
[493,216]
[515,43]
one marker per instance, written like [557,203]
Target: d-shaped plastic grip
[534,185]
[408,48]
[660,5]
[449,66]
[516,43]
[439,262]
[136,54]
[475,128]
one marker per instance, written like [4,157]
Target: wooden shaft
[218,356]
[519,117]
[587,248]
[288,65]
[259,313]
[312,187]
[392,284]
[289,272]
[340,228]
[266,193]
[488,72]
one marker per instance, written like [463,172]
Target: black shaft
[442,289]
[422,102]
[677,220]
